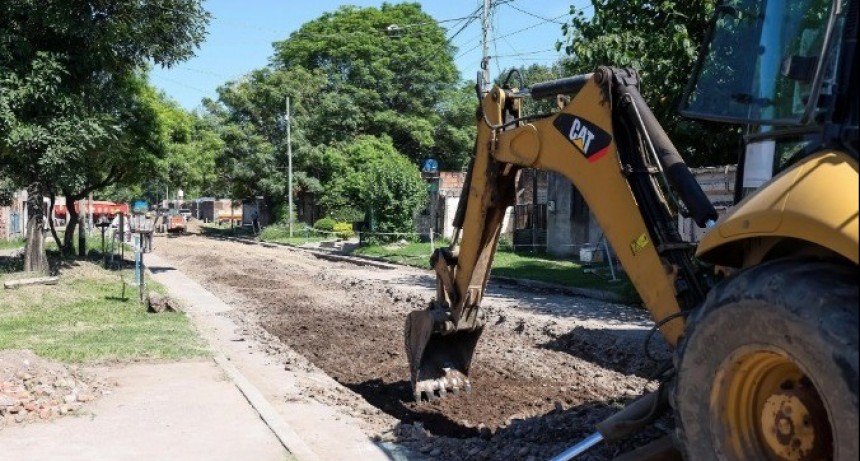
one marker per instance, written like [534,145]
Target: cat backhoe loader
[765,357]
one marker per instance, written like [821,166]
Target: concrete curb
[288,438]
[584,292]
[381,263]
[357,260]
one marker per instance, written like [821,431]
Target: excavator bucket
[438,362]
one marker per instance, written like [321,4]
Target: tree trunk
[82,233]
[35,259]
[53,198]
[71,224]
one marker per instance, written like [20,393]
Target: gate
[15,224]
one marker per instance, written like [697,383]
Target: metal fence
[530,225]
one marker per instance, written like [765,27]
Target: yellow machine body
[601,182]
[812,206]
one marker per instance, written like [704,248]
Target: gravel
[549,367]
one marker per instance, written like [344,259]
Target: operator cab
[784,69]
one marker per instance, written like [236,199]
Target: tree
[385,71]
[192,148]
[251,123]
[7,188]
[528,76]
[379,183]
[68,86]
[455,131]
[382,72]
[659,38]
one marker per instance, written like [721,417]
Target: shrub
[381,186]
[325,224]
[344,230]
[274,232]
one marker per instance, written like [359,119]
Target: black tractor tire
[807,308]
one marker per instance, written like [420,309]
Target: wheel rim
[763,406]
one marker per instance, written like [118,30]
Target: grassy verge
[279,233]
[86,319]
[537,266]
[11,244]
[274,233]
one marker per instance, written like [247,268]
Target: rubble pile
[34,389]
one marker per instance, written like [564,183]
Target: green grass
[274,233]
[535,266]
[85,319]
[412,253]
[11,244]
[302,233]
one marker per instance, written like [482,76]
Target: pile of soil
[35,389]
[542,377]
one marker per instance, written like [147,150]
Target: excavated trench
[542,377]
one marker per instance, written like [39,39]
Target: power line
[471,19]
[511,5]
[512,33]
[441,21]
[534,25]
[177,82]
[496,44]
[510,45]
[203,72]
[525,53]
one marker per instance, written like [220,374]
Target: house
[257,208]
[444,191]
[530,211]
[570,225]
[719,185]
[13,217]
[216,210]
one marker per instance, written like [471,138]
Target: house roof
[451,181]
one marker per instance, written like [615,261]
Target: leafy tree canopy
[251,116]
[378,182]
[75,116]
[660,38]
[385,71]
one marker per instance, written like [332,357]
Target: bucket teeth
[430,389]
[438,360]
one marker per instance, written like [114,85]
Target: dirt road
[548,368]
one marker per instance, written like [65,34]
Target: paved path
[185,411]
[310,430]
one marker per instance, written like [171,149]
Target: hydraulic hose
[701,209]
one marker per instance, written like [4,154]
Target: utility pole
[290,167]
[485,60]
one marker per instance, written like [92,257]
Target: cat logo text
[590,140]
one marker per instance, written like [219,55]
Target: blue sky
[242,32]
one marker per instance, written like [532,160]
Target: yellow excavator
[765,356]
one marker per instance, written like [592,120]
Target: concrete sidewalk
[185,411]
[309,430]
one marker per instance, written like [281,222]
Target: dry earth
[549,367]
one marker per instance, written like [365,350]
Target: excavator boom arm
[606,142]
